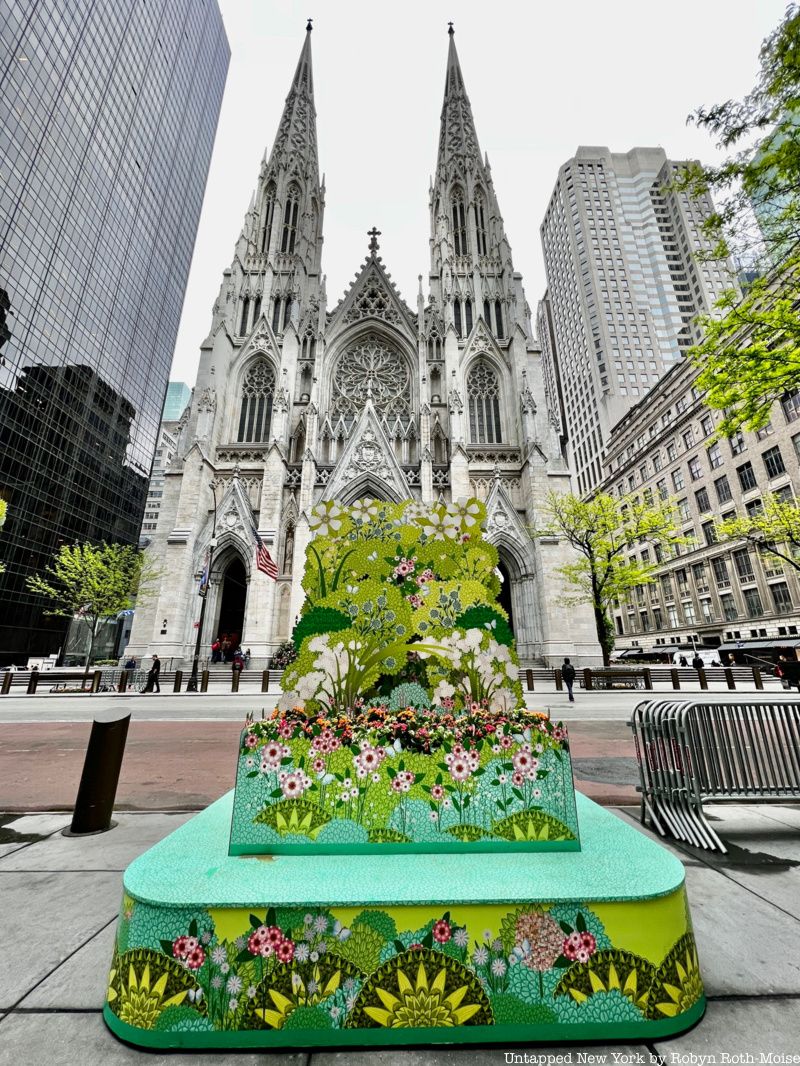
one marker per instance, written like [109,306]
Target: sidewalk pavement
[61,896]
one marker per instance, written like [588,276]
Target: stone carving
[455,403]
[373,300]
[370,369]
[207,400]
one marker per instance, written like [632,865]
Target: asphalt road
[181,749]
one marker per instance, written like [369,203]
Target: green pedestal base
[297,951]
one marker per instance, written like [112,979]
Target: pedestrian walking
[152,676]
[216,651]
[698,663]
[568,677]
[683,661]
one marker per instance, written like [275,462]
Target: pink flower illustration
[460,769]
[441,931]
[251,740]
[195,958]
[544,936]
[180,947]
[318,765]
[285,950]
[517,779]
[295,784]
[437,792]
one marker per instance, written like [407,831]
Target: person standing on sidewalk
[152,676]
[568,677]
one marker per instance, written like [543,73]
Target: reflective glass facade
[108,111]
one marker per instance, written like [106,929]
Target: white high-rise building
[624,288]
[299,401]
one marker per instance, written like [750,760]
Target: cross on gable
[373,234]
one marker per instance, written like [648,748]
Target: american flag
[264,561]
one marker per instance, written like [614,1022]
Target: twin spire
[297,134]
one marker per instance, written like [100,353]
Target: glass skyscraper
[108,112]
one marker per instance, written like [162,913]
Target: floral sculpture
[403,721]
[397,593]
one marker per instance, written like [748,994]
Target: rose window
[369,369]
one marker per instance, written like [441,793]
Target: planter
[309,786]
[218,952]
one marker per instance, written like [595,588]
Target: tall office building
[106,133]
[624,288]
[178,396]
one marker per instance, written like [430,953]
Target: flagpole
[191,684]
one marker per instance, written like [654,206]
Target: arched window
[290,219]
[287,311]
[268,214]
[457,315]
[245,314]
[256,309]
[258,391]
[459,223]
[487,313]
[498,314]
[276,314]
[480,224]
[483,395]
[468,315]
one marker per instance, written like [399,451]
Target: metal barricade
[694,752]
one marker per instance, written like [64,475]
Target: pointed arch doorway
[233,600]
[505,597]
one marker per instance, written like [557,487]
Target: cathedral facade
[297,403]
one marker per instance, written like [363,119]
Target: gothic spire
[458,141]
[296,138]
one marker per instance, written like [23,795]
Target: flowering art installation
[401,750]
[403,723]
[326,974]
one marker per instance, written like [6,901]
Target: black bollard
[123,681]
[97,677]
[676,681]
[33,681]
[98,788]
[7,678]
[204,681]
[176,685]
[265,681]
[757,679]
[235,681]
[529,679]
[559,681]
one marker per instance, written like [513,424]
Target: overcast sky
[542,79]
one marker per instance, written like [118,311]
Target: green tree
[604,531]
[750,356]
[776,530]
[92,583]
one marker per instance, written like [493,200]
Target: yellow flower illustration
[671,998]
[140,1005]
[423,990]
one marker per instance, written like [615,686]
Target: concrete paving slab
[740,1027]
[745,945]
[41,824]
[82,1039]
[465,1055]
[44,918]
[81,982]
[114,850]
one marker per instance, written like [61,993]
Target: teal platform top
[192,867]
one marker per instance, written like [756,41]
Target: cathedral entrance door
[505,593]
[232,601]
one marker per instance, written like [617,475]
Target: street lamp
[191,685]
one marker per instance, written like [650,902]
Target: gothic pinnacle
[450,30]
[309,27]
